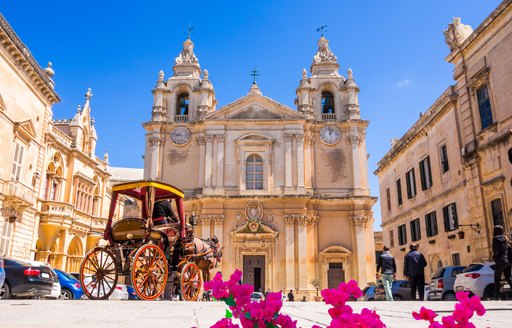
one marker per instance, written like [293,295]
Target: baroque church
[285,190]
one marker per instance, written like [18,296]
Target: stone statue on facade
[324,54]
[456,33]
[187,55]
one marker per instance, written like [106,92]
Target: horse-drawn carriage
[148,254]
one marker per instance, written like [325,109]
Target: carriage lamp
[193,219]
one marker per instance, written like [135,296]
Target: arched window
[254,173]
[182,104]
[327,103]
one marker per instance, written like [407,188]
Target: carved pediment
[252,227]
[255,113]
[25,130]
[255,107]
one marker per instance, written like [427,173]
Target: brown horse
[208,253]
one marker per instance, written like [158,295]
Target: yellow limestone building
[285,190]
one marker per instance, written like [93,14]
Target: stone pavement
[124,314]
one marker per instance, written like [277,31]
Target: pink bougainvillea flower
[225,323]
[425,314]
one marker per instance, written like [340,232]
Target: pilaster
[288,161]
[290,251]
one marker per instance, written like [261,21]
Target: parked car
[441,284]
[119,293]
[2,272]
[70,286]
[55,294]
[257,297]
[25,280]
[368,294]
[477,279]
[400,290]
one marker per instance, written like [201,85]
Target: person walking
[387,265]
[414,270]
[291,297]
[500,250]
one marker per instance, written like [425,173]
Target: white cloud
[404,82]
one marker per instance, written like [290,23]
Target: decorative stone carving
[205,74]
[254,211]
[304,74]
[201,140]
[270,216]
[220,138]
[350,74]
[324,53]
[288,137]
[456,33]
[359,220]
[299,138]
[187,55]
[155,141]
[353,140]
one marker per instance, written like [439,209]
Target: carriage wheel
[191,282]
[149,272]
[98,274]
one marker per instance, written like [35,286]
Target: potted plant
[316,284]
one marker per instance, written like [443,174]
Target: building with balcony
[53,188]
[26,98]
[448,180]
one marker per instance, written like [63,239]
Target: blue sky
[396,50]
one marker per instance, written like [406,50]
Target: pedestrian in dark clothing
[500,250]
[508,270]
[162,212]
[291,297]
[387,264]
[414,270]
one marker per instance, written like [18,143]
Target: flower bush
[464,311]
[266,314]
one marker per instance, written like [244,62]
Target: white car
[55,294]
[119,293]
[478,279]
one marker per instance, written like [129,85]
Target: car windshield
[439,273]
[473,267]
[255,295]
[67,275]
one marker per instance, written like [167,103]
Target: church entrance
[335,275]
[254,272]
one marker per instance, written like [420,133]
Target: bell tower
[327,96]
[184,97]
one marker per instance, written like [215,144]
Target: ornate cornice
[24,60]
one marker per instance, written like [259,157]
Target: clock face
[330,134]
[180,135]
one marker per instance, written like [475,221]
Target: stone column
[300,160]
[218,230]
[208,162]
[288,160]
[290,252]
[220,161]
[205,227]
[353,141]
[201,161]
[303,253]
[154,144]
[359,224]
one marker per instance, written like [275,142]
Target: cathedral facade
[285,190]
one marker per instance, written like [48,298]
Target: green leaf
[271,325]
[248,315]
[228,314]
[230,301]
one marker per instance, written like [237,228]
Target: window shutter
[422,176]
[455,219]
[446,219]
